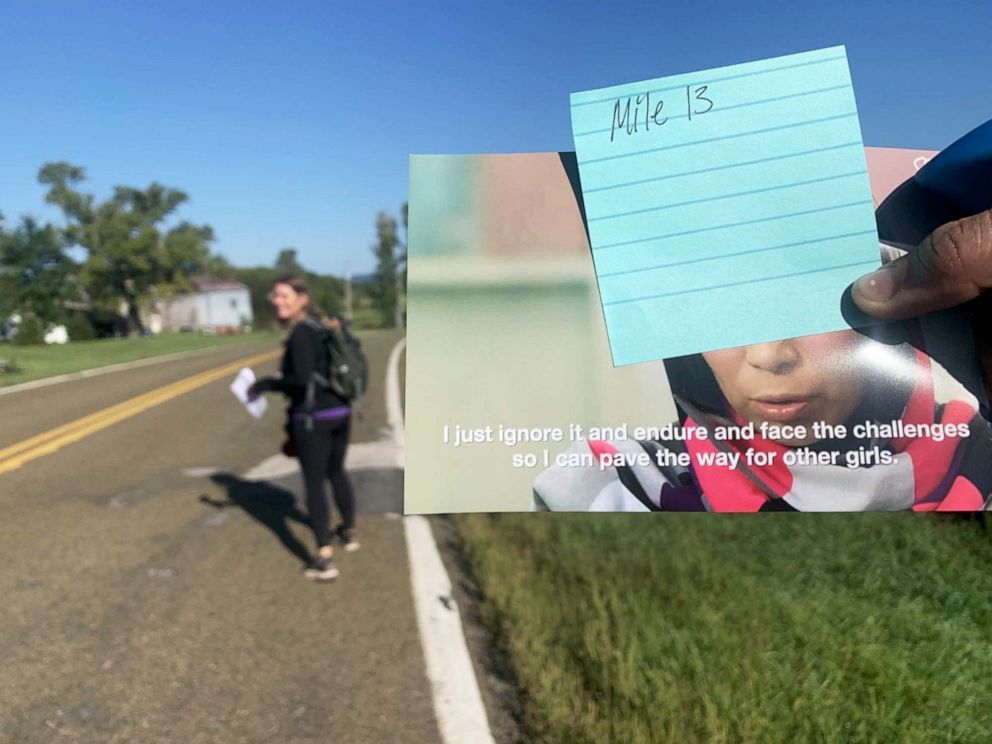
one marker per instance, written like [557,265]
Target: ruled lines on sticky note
[739,192]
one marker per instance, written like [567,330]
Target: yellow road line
[50,441]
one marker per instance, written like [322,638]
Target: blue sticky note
[725,207]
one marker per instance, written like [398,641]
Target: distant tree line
[134,252]
[326,291]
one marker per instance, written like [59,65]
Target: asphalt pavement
[153,593]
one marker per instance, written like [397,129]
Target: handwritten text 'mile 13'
[626,120]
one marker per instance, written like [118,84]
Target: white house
[217,306]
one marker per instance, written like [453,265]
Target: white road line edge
[394,410]
[461,715]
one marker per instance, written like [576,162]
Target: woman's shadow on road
[270,505]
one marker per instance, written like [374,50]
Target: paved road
[151,594]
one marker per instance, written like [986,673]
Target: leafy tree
[259,280]
[287,263]
[327,292]
[131,255]
[80,328]
[217,265]
[35,272]
[382,288]
[30,331]
[405,211]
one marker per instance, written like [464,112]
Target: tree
[327,292]
[130,253]
[401,266]
[218,265]
[259,281]
[382,288]
[286,262]
[30,331]
[35,272]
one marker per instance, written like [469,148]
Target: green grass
[720,628]
[34,362]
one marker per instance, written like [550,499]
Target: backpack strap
[313,323]
[310,397]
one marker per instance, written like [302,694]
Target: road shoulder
[499,688]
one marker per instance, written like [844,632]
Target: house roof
[214,284]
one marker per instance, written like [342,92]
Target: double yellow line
[46,443]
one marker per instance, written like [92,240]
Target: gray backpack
[347,373]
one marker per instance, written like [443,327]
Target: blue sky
[291,126]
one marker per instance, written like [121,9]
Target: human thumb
[951,266]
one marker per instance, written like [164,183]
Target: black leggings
[321,454]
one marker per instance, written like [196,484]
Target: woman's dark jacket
[305,354]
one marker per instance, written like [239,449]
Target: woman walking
[319,420]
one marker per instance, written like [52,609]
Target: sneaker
[321,569]
[347,538]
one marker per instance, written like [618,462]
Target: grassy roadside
[625,628]
[34,362]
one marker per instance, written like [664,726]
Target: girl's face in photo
[288,303]
[793,382]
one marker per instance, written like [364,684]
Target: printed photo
[505,319]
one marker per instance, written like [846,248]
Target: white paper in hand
[240,386]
